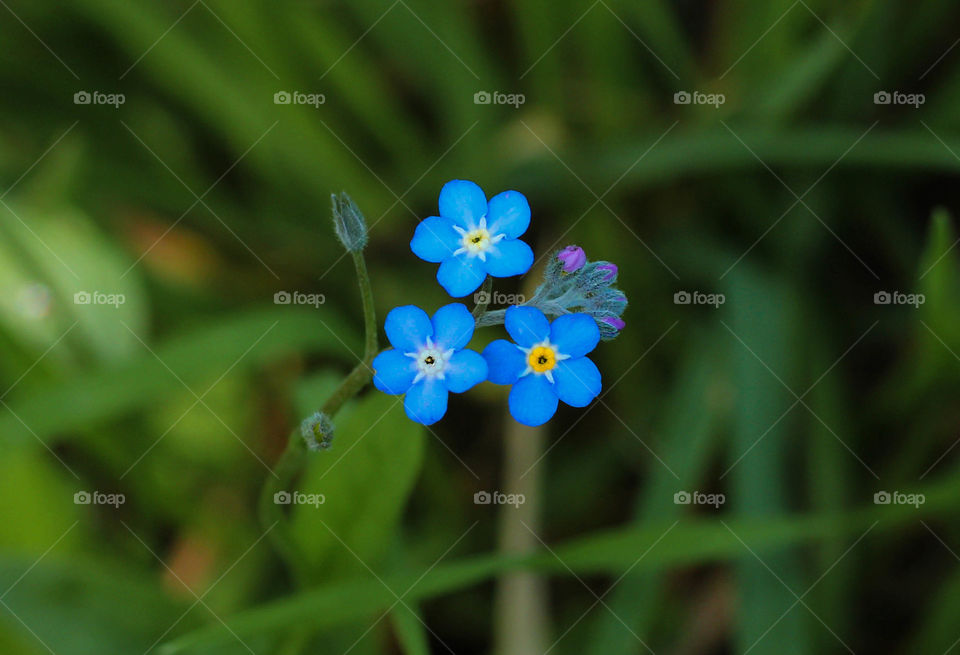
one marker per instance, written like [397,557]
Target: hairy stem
[362,373]
[271,516]
[292,461]
[481,307]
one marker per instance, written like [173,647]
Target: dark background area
[799,198]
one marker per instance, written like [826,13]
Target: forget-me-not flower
[546,364]
[428,359]
[473,238]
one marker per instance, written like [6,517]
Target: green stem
[369,313]
[292,461]
[271,516]
[362,373]
[495,317]
[485,290]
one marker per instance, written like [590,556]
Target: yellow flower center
[542,359]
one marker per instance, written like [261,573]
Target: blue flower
[428,360]
[473,238]
[546,364]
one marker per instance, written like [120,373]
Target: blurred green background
[799,197]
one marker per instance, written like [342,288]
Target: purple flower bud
[612,271]
[613,321]
[573,258]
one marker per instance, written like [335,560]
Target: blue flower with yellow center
[428,359]
[473,238]
[547,363]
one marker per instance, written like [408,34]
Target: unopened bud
[573,258]
[317,431]
[348,222]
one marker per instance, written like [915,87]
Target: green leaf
[63,251]
[690,439]
[198,357]
[613,552]
[411,631]
[368,473]
[762,345]
[73,605]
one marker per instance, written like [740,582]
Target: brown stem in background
[521,621]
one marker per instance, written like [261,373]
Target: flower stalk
[362,373]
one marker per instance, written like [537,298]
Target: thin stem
[369,313]
[495,317]
[362,373]
[287,468]
[484,296]
[292,461]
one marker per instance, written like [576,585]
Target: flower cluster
[546,362]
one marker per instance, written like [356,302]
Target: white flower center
[477,240]
[431,361]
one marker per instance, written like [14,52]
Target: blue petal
[393,372]
[465,370]
[527,325]
[461,275]
[453,326]
[575,334]
[463,202]
[434,239]
[577,381]
[533,401]
[509,257]
[505,362]
[508,213]
[407,328]
[426,402]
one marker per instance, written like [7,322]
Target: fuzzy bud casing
[317,431]
[348,222]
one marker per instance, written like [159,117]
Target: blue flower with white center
[547,363]
[473,238]
[428,359]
